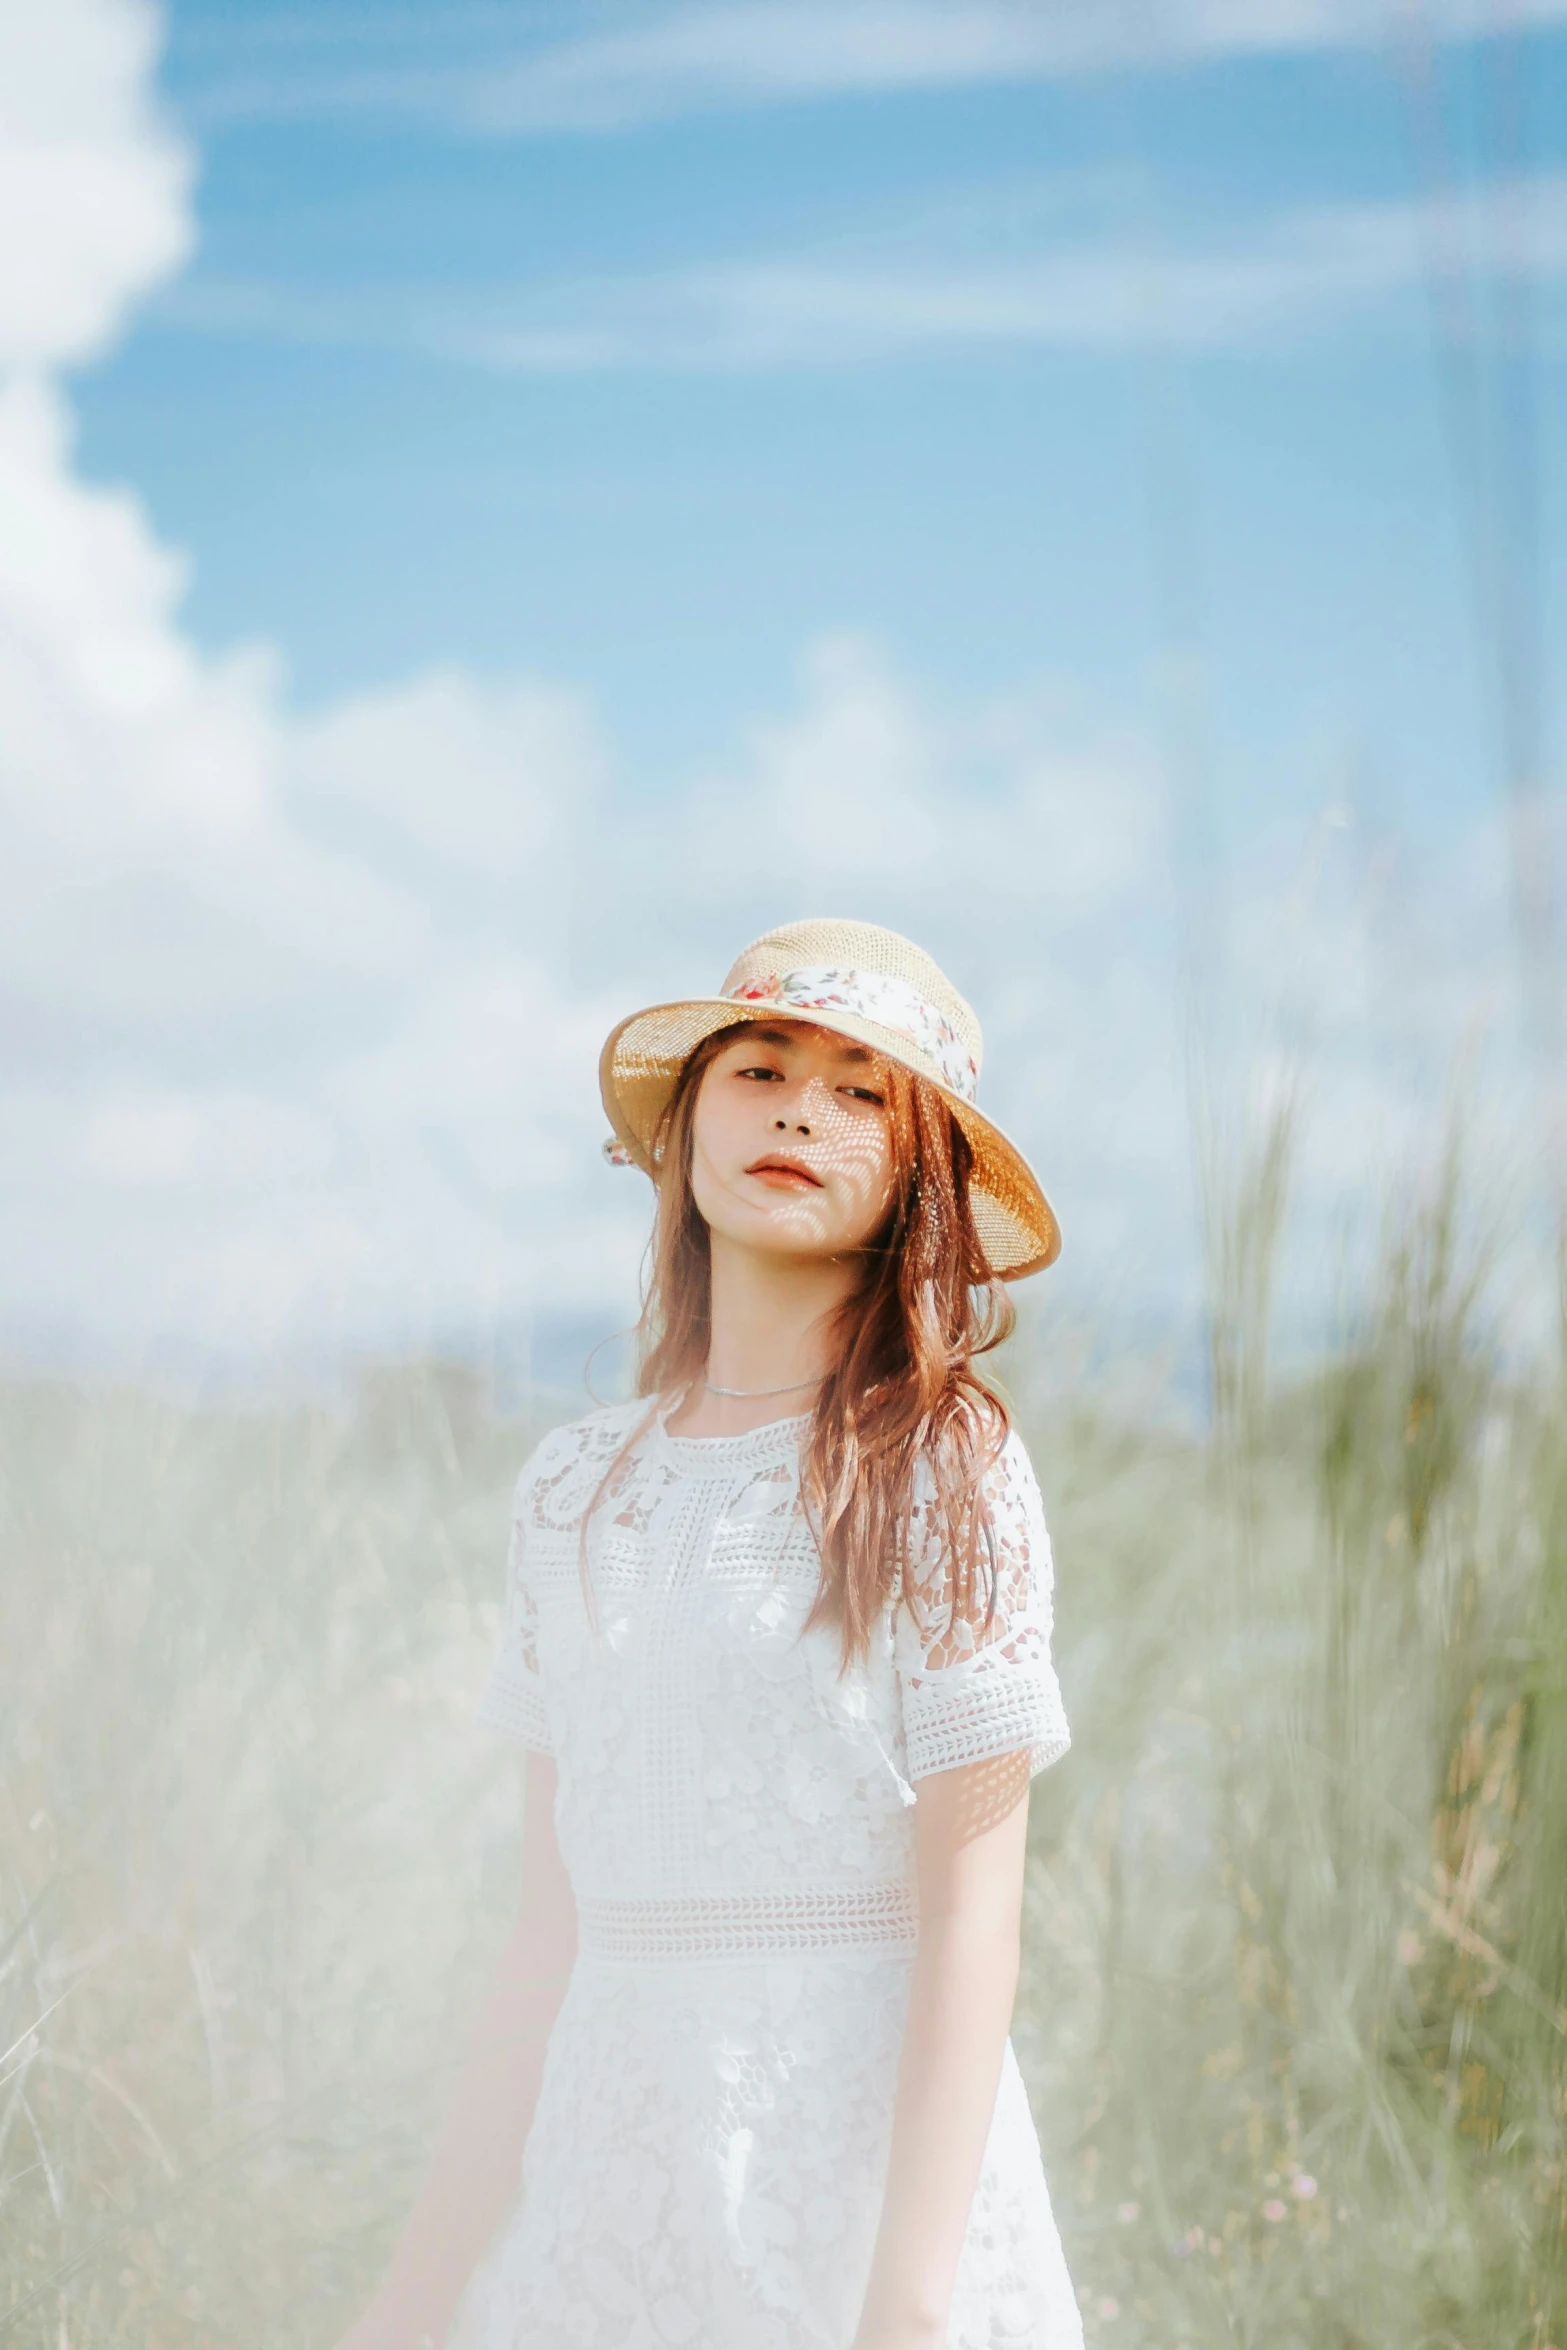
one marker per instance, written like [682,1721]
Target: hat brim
[644,1055]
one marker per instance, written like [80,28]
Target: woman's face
[791,1145]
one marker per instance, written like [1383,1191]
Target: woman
[777,1644]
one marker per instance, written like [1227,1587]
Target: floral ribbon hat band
[862,982]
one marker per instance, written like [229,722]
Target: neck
[772,1324]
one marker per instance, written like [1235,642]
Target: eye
[767,1076]
[864,1093]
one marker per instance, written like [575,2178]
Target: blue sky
[505,503]
[325,411]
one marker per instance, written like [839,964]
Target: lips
[785,1171]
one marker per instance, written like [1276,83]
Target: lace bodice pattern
[733,1807]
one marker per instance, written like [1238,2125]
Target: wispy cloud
[862,303]
[614,69]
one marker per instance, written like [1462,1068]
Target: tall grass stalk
[1297,2013]
[252,1857]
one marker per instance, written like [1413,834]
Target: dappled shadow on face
[850,1154]
[791,1145]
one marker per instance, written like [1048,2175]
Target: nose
[805,1106]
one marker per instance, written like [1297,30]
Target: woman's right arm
[476,2166]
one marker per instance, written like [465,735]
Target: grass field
[1295,2009]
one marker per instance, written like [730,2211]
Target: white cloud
[479,793]
[1290,276]
[265,987]
[866,787]
[618,67]
[94,189]
[301,1017]
[936,286]
[699,58]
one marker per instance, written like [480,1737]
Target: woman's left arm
[970,1825]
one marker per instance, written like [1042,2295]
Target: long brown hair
[903,1387]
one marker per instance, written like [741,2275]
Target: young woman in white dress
[777,1644]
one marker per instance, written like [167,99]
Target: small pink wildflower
[1127,2212]
[1273,2210]
[1303,2186]
[1109,2306]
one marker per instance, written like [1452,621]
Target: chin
[781,1235]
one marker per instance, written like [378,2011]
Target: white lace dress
[705,2166]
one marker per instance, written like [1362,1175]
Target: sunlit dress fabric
[706,2161]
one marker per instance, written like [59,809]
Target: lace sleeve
[513,1695]
[981,1682]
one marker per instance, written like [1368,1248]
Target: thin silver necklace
[758,1394]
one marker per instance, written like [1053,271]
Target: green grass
[1296,2013]
[253,1858]
[1295,2009]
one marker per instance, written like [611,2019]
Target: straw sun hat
[862,982]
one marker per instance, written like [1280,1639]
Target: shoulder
[578,1452]
[982,1479]
[1011,1486]
[984,1452]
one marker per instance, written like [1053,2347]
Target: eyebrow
[789,1041]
